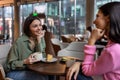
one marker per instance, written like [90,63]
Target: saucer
[53,60]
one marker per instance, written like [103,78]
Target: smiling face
[102,22]
[35,28]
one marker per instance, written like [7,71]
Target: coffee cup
[38,56]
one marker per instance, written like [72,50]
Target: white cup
[38,56]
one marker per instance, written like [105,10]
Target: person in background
[48,36]
[107,23]
[22,52]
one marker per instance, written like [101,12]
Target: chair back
[74,49]
[55,41]
[4,50]
[56,45]
[64,45]
[2,73]
[76,46]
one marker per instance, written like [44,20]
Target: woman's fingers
[69,74]
[76,74]
[73,69]
[32,59]
[97,33]
[103,32]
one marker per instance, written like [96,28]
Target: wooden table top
[54,68]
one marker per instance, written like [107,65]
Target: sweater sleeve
[12,61]
[102,65]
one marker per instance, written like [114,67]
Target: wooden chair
[2,74]
[4,49]
[74,49]
[57,45]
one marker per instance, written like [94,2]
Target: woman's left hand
[73,69]
[41,35]
[29,60]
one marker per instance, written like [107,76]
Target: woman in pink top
[108,64]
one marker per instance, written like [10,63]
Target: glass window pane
[68,17]
[1,21]
[6,22]
[52,17]
[62,17]
[25,10]
[80,16]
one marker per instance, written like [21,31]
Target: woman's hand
[95,35]
[41,35]
[30,60]
[74,69]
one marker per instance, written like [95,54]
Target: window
[6,21]
[62,17]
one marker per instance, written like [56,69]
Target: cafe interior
[67,20]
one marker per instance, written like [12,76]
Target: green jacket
[20,51]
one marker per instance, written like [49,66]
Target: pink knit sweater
[108,63]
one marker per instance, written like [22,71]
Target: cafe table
[49,68]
